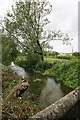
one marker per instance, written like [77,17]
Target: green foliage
[32,101]
[25,25]
[32,60]
[52,53]
[0,53]
[45,53]
[37,80]
[32,112]
[21,61]
[42,66]
[64,57]
[29,61]
[9,50]
[76,54]
[5,68]
[66,72]
[51,59]
[15,107]
[12,83]
[8,85]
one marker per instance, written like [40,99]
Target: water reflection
[50,93]
[50,90]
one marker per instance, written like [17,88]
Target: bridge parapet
[60,107]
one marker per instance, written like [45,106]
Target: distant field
[64,54]
[51,59]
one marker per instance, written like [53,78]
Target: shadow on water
[46,91]
[73,113]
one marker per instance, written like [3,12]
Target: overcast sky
[64,16]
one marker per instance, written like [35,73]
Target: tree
[26,25]
[9,50]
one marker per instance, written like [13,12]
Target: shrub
[76,54]
[37,80]
[63,57]
[67,71]
[4,68]
[32,60]
[29,61]
[45,53]
[53,53]
[21,61]
[42,66]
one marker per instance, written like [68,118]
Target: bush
[53,53]
[76,54]
[63,57]
[68,72]
[37,80]
[42,66]
[28,62]
[45,53]
[32,60]
[4,68]
[21,61]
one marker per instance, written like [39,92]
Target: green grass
[51,59]
[37,80]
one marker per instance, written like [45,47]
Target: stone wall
[60,107]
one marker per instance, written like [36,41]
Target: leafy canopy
[26,25]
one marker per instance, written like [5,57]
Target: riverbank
[42,92]
[64,68]
[66,71]
[18,107]
[25,105]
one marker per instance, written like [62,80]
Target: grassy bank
[64,70]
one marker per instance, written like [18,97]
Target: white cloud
[5,5]
[64,16]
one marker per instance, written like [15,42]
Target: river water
[47,91]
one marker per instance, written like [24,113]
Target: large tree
[26,25]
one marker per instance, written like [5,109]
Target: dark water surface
[48,91]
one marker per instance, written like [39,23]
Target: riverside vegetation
[21,107]
[64,68]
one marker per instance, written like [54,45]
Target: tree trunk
[42,58]
[17,90]
[41,51]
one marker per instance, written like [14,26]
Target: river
[47,91]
